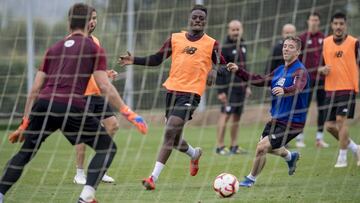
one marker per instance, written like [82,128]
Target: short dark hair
[199,7]
[92,9]
[338,15]
[297,40]
[79,15]
[314,13]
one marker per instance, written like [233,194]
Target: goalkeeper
[57,101]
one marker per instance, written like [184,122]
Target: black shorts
[235,105]
[99,107]
[181,104]
[75,124]
[343,105]
[279,134]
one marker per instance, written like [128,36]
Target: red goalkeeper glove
[135,119]
[17,136]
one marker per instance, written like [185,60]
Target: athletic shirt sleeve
[300,80]
[255,79]
[45,63]
[357,53]
[157,58]
[218,50]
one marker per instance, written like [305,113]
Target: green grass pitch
[48,178]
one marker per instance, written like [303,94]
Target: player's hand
[135,119]
[324,70]
[248,92]
[126,59]
[232,67]
[112,74]
[211,77]
[17,135]
[278,91]
[222,98]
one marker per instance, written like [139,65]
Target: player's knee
[261,149]
[331,128]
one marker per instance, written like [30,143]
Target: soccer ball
[226,185]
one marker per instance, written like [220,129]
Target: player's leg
[321,108]
[80,149]
[80,177]
[87,129]
[262,148]
[184,108]
[236,101]
[111,125]
[105,150]
[301,137]
[34,136]
[97,106]
[345,110]
[17,163]
[173,129]
[221,130]
[179,109]
[234,147]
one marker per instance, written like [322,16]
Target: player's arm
[222,84]
[33,94]
[323,69]
[218,61]
[254,79]
[357,53]
[300,80]
[152,60]
[110,92]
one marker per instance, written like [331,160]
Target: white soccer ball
[226,185]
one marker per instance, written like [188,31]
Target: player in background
[98,106]
[341,70]
[232,89]
[57,101]
[276,58]
[192,54]
[312,41]
[290,91]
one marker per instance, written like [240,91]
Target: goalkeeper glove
[135,119]
[17,135]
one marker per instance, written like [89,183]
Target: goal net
[49,176]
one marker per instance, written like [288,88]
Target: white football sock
[319,135]
[88,193]
[191,152]
[251,177]
[157,170]
[300,137]
[1,197]
[288,156]
[342,154]
[80,171]
[352,146]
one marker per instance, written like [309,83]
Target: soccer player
[312,41]
[96,105]
[233,90]
[192,54]
[276,59]
[289,88]
[341,70]
[57,101]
